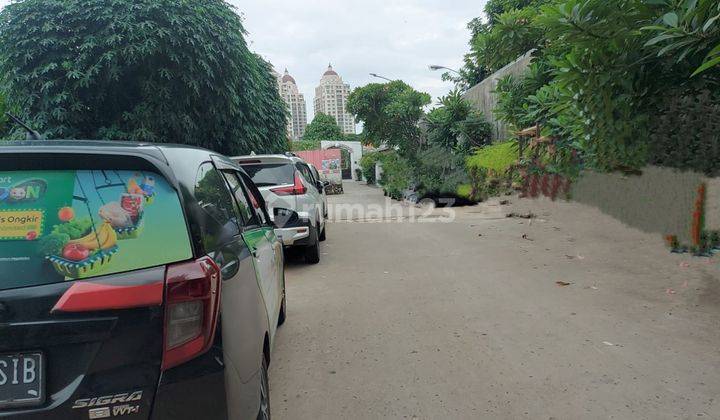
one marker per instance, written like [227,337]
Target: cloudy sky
[394,38]
[397,39]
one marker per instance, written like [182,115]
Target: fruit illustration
[66,214]
[117,216]
[105,238]
[31,236]
[75,252]
[133,187]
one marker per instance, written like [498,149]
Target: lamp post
[380,77]
[434,67]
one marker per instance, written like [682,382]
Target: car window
[58,225]
[306,173]
[315,173]
[270,174]
[256,201]
[243,206]
[218,220]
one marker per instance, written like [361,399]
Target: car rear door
[243,313]
[259,237]
[83,256]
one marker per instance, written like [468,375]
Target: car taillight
[192,305]
[298,188]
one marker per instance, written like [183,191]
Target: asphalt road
[417,318]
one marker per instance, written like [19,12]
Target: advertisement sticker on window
[65,225]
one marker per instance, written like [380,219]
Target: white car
[288,182]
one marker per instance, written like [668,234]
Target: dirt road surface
[421,319]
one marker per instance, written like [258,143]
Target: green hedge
[367,165]
[497,158]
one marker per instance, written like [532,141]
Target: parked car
[323,190]
[136,280]
[287,181]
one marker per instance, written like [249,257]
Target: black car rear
[105,296]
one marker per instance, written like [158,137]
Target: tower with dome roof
[296,105]
[331,98]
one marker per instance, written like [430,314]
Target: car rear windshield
[268,174]
[69,224]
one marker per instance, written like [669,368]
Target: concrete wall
[483,96]
[661,200]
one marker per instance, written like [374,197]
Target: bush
[489,169]
[397,174]
[141,70]
[497,158]
[437,172]
[367,166]
[686,132]
[464,191]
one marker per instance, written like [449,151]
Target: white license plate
[22,379]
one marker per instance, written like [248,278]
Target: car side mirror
[285,217]
[319,185]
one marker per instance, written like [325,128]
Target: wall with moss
[660,200]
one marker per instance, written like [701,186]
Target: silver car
[288,182]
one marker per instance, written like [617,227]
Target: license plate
[22,379]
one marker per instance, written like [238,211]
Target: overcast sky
[397,39]
[394,38]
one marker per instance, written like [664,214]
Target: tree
[322,127]
[507,32]
[142,70]
[390,113]
[690,30]
[3,117]
[456,126]
[494,8]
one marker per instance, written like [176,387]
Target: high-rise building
[331,98]
[296,105]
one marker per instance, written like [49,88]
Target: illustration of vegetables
[53,243]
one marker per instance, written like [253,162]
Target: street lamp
[436,67]
[380,77]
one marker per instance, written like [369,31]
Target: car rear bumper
[194,390]
[299,234]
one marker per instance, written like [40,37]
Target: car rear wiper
[31,134]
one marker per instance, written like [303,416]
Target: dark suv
[136,280]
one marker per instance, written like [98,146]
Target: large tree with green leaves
[3,117]
[390,113]
[322,127]
[143,70]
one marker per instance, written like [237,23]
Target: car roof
[92,146]
[161,156]
[268,158]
